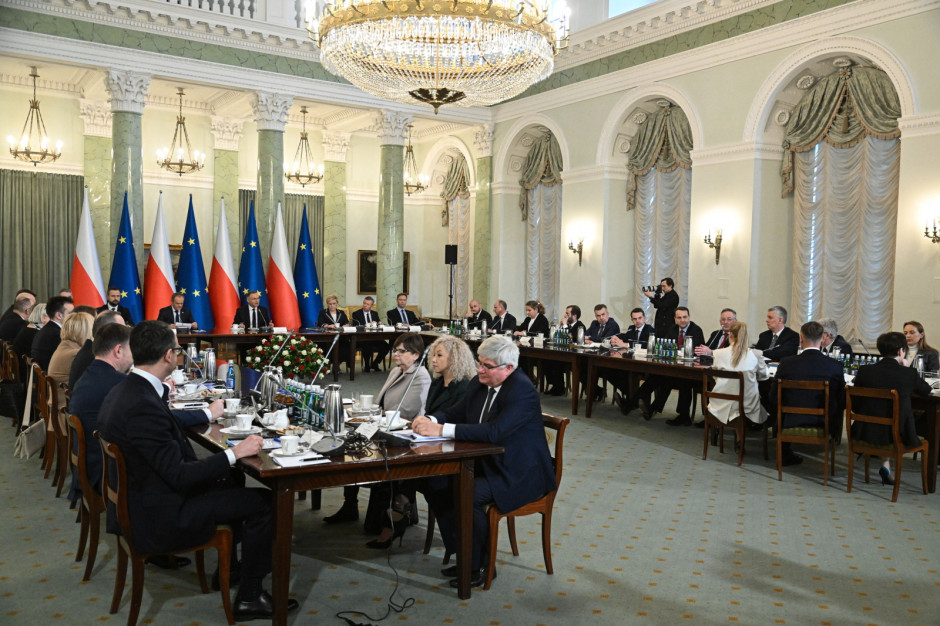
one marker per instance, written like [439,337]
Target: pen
[313,458]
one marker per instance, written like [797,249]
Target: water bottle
[919,364]
[483,327]
[689,351]
[230,376]
[651,344]
[581,336]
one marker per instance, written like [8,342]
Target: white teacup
[190,388]
[606,343]
[290,444]
[391,418]
[231,405]
[178,377]
[243,421]
[365,400]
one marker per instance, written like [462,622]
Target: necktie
[484,417]
[773,342]
[600,331]
[254,318]
[404,317]
[681,337]
[177,316]
[724,340]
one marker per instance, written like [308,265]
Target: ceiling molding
[72,169]
[731,153]
[919,126]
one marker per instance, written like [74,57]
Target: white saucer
[280,452]
[232,430]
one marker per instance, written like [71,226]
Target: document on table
[410,434]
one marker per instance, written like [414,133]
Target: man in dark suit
[11,325]
[176,314]
[721,337]
[401,315]
[477,316]
[665,300]
[778,340]
[252,315]
[85,356]
[603,326]
[114,304]
[810,365]
[373,352]
[47,339]
[832,340]
[682,328]
[502,407]
[639,332]
[502,321]
[176,499]
[17,296]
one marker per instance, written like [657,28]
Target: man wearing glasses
[500,406]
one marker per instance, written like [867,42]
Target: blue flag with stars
[250,268]
[124,275]
[305,278]
[191,275]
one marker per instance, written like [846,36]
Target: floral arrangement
[300,358]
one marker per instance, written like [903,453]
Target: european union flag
[191,275]
[250,268]
[305,278]
[124,273]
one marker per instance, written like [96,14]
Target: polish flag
[86,285]
[280,280]
[159,285]
[222,292]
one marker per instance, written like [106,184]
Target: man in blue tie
[401,315]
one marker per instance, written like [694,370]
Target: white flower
[303,353]
[286,363]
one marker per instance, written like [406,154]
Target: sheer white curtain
[458,232]
[542,246]
[661,231]
[845,201]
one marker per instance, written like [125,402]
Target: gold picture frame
[366,272]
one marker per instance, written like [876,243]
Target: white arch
[538,119]
[619,111]
[442,146]
[777,80]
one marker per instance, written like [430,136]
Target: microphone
[388,424]
[864,347]
[278,353]
[267,322]
[326,358]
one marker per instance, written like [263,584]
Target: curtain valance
[663,142]
[456,183]
[841,109]
[542,166]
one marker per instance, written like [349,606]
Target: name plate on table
[414,329]
[388,329]
[349,329]
[277,330]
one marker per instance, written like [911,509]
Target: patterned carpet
[644,532]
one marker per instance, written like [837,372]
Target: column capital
[483,140]
[96,116]
[270,109]
[335,146]
[392,127]
[128,90]
[226,132]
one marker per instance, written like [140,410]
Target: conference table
[385,464]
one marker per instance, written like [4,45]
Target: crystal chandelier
[174,158]
[414,182]
[303,171]
[33,146]
[468,52]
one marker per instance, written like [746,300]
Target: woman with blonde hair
[738,357]
[76,330]
[535,321]
[452,366]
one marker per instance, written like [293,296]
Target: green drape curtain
[663,142]
[39,215]
[456,183]
[841,109]
[542,166]
[293,214]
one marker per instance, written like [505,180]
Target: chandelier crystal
[465,52]
[33,146]
[415,183]
[174,158]
[303,171]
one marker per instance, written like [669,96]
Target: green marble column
[482,215]
[334,229]
[128,92]
[390,259]
[98,181]
[270,114]
[225,134]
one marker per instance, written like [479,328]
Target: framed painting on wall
[366,272]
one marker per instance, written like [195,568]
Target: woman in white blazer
[739,358]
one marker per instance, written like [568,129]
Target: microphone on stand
[326,358]
[385,435]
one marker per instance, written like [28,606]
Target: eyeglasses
[489,367]
[399,351]
[179,350]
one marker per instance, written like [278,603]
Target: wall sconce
[714,243]
[577,249]
[932,235]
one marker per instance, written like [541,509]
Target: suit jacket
[394,389]
[611,328]
[572,329]
[845,348]
[324,318]
[164,473]
[23,346]
[534,326]
[476,321]
[641,337]
[123,310]
[788,343]
[504,323]
[665,305]
[44,344]
[61,363]
[166,315]
[888,374]
[523,473]
[243,316]
[693,330]
[715,338]
[931,360]
[11,326]
[359,317]
[812,365]
[394,317]
[83,358]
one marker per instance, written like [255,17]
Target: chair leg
[64,464]
[511,523]
[82,534]
[48,453]
[779,459]
[867,461]
[225,558]
[848,487]
[826,447]
[547,541]
[94,524]
[137,588]
[494,538]
[429,538]
[898,462]
[707,429]
[923,470]
[119,579]
[740,431]
[201,570]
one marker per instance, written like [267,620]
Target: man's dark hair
[113,288]
[502,303]
[23,291]
[22,305]
[370,299]
[669,281]
[598,307]
[150,340]
[177,294]
[253,291]
[812,332]
[684,308]
[638,310]
[732,311]
[56,305]
[890,343]
[400,295]
[109,336]
[410,342]
[575,310]
[103,319]
[84,308]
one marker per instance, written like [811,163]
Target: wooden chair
[92,503]
[895,450]
[814,435]
[59,433]
[738,424]
[114,486]
[41,408]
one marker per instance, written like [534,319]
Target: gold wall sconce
[714,243]
[934,234]
[577,249]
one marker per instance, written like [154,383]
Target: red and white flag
[223,295]
[159,285]
[86,284]
[280,280]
